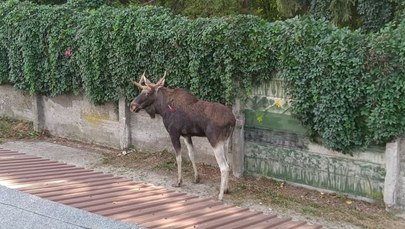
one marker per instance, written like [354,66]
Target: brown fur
[185,115]
[199,109]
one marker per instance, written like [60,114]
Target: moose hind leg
[223,166]
[226,152]
[177,148]
[190,148]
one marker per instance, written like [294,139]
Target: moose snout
[134,107]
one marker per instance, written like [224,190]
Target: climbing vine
[347,86]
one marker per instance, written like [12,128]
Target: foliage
[324,78]
[386,78]
[88,4]
[266,9]
[399,10]
[4,68]
[370,15]
[347,87]
[109,46]
[35,39]
[290,8]
[50,2]
[375,13]
[3,65]
[207,8]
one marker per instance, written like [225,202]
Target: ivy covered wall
[347,87]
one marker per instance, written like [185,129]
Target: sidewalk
[21,210]
[129,201]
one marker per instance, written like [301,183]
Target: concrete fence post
[401,183]
[237,147]
[124,123]
[37,112]
[392,158]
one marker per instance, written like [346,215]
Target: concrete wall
[394,189]
[15,104]
[276,146]
[320,170]
[150,134]
[267,141]
[74,117]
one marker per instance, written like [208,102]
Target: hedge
[347,86]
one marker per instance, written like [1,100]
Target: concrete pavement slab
[20,210]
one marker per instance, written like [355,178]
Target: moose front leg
[177,148]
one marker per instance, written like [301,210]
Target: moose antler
[139,84]
[161,82]
[148,84]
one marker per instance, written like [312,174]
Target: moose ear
[147,82]
[161,82]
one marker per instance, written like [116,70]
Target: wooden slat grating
[126,200]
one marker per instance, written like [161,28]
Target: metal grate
[126,200]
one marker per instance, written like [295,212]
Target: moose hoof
[178,184]
[220,197]
[196,180]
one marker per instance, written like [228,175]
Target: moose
[186,116]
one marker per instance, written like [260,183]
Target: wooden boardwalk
[126,200]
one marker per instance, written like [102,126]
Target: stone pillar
[124,124]
[237,146]
[391,183]
[37,113]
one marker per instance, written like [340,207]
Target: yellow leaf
[259,118]
[279,103]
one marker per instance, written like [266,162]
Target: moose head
[148,95]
